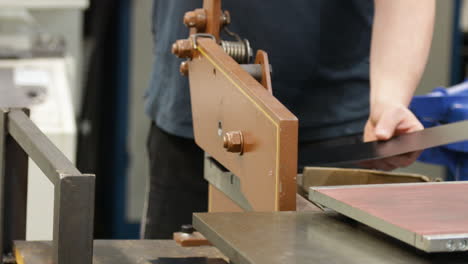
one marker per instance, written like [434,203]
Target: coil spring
[240,51]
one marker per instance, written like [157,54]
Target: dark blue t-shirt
[319,50]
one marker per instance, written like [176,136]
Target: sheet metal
[307,237]
[355,153]
[430,216]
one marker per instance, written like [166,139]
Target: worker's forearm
[401,40]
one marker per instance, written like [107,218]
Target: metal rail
[20,138]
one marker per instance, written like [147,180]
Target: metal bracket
[194,38]
[20,138]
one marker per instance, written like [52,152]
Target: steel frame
[73,220]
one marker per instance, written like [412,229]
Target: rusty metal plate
[226,98]
[430,216]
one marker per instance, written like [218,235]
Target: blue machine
[443,106]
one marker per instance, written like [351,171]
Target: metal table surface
[125,252]
[307,237]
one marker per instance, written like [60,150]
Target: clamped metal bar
[74,192]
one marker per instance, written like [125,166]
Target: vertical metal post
[73,219]
[3,135]
[15,176]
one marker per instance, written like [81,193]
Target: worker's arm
[401,39]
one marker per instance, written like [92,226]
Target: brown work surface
[410,212]
[125,252]
[226,98]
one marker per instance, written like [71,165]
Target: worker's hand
[386,121]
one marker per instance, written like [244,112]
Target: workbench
[125,252]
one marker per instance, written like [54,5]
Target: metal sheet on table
[307,237]
[126,252]
[430,216]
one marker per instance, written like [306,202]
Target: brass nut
[196,19]
[234,141]
[182,48]
[184,68]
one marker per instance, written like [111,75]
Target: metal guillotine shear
[251,145]
[250,137]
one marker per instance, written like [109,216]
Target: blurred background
[87,65]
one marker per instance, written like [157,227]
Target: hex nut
[182,48]
[196,19]
[233,141]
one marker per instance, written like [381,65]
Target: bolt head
[175,48]
[184,68]
[182,48]
[196,19]
[187,229]
[226,18]
[233,141]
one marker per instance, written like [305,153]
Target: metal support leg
[14,196]
[3,135]
[74,192]
[73,208]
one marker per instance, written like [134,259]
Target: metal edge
[226,182]
[39,148]
[225,247]
[387,185]
[365,218]
[72,231]
[3,135]
[375,150]
[443,242]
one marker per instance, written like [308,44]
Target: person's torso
[319,50]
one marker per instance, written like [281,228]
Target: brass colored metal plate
[429,216]
[226,98]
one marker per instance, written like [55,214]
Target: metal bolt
[182,48]
[196,19]
[234,141]
[187,229]
[450,245]
[462,245]
[225,18]
[184,68]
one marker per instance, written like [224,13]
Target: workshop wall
[141,61]
[69,23]
[465,17]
